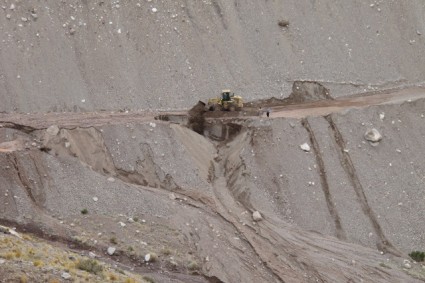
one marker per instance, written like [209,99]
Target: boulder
[53,130]
[373,135]
[111,250]
[66,275]
[257,216]
[305,147]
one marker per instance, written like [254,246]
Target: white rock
[66,275]
[172,196]
[8,16]
[53,130]
[111,179]
[122,224]
[406,264]
[130,220]
[95,199]
[305,147]
[111,250]
[153,125]
[147,257]
[92,254]
[382,116]
[373,135]
[67,144]
[24,19]
[12,7]
[257,216]
[154,10]
[2,261]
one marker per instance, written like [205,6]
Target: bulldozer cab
[225,95]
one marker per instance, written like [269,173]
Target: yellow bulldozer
[227,102]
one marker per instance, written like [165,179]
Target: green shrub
[193,265]
[417,256]
[90,265]
[84,211]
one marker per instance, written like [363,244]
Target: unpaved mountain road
[37,121]
[325,107]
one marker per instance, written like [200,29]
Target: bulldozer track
[346,163]
[340,233]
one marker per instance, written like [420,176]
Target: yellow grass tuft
[37,263]
[23,279]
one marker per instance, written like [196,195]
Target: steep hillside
[109,178]
[247,205]
[142,54]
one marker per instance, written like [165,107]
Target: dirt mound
[196,117]
[303,91]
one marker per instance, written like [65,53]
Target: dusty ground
[89,55]
[96,160]
[156,187]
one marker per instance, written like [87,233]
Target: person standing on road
[268,112]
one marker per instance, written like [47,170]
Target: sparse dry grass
[40,254]
[113,240]
[23,279]
[166,251]
[192,265]
[90,265]
[37,263]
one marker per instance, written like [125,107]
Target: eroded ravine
[268,238]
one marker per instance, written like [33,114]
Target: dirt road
[318,108]
[325,107]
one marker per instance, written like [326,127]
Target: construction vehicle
[227,102]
